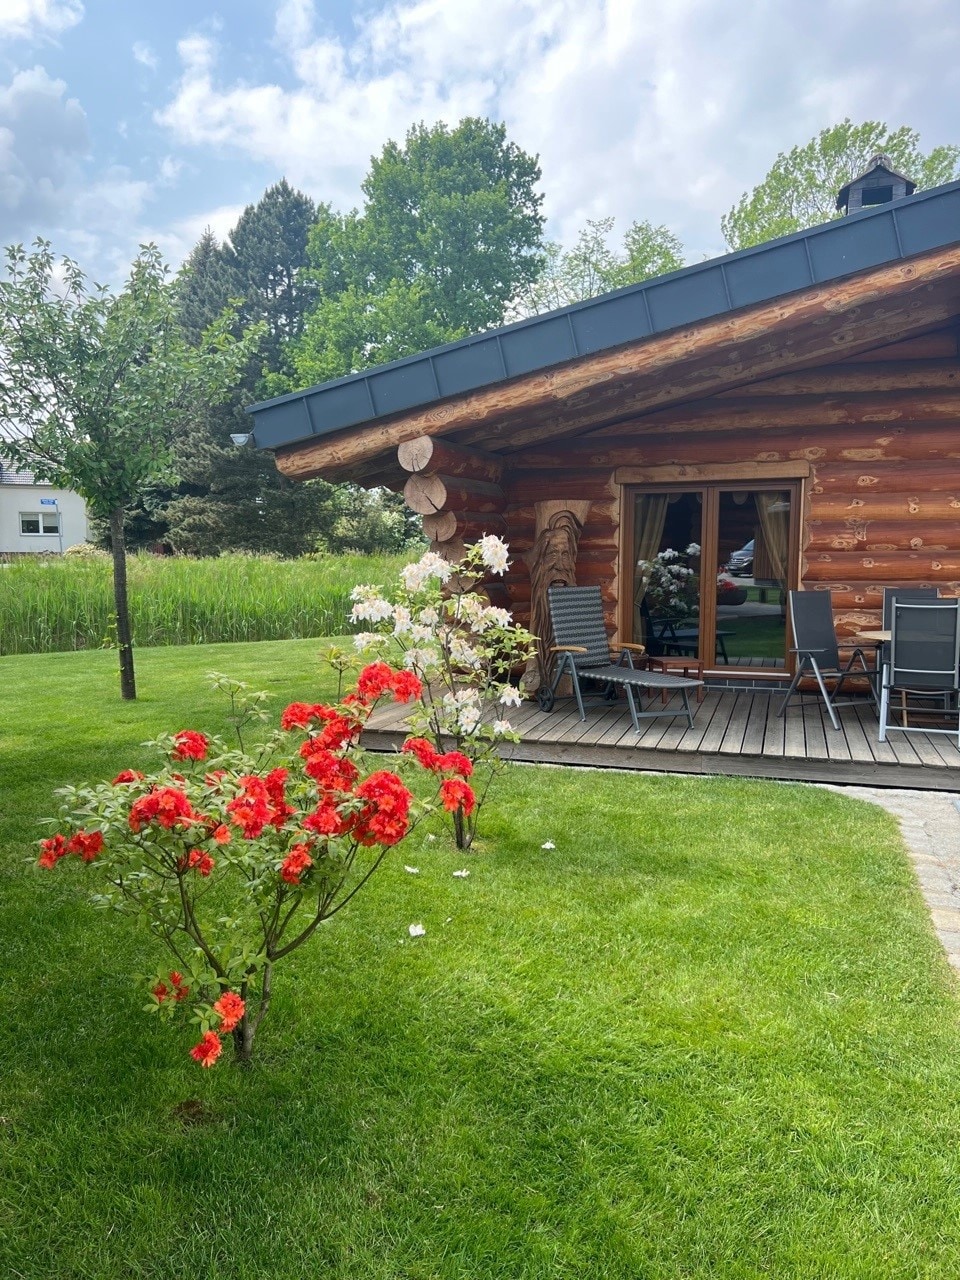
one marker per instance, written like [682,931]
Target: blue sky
[122,120]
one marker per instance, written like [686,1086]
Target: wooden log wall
[881,432]
[882,504]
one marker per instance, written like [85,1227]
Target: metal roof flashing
[876,236]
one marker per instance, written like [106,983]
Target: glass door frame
[710,490]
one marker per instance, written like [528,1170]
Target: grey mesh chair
[907,594]
[924,663]
[818,654]
[582,651]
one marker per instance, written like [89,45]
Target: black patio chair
[675,636]
[924,663]
[582,651]
[818,654]
[908,595]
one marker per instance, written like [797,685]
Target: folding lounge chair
[818,654]
[924,663]
[582,651]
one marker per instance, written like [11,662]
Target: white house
[36,518]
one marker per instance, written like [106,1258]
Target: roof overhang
[805,300]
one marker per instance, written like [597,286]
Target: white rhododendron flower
[420,633]
[364,639]
[369,605]
[493,553]
[463,654]
[502,727]
[421,659]
[510,696]
[401,620]
[429,617]
[415,576]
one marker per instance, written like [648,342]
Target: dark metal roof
[887,233]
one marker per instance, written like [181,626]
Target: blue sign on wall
[48,502]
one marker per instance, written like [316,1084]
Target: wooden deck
[735,732]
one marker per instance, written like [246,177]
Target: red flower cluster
[190,745]
[86,844]
[457,795]
[386,816]
[332,774]
[327,820]
[208,1050]
[260,802]
[127,775]
[452,762]
[176,991]
[379,678]
[164,805]
[295,863]
[337,729]
[231,1009]
[199,860]
[298,715]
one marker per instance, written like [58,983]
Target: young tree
[591,267]
[450,232]
[94,387]
[801,188]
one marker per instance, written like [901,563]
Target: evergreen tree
[231,498]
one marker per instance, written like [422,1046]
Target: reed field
[47,606]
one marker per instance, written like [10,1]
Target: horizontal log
[931,346]
[833,380]
[866,504]
[468,525]
[899,441]
[765,412]
[427,455]
[869,595]
[854,478]
[883,567]
[524,487]
[520,590]
[426,495]
[882,535]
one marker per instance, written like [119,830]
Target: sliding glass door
[711,568]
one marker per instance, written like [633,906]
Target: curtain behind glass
[649,517]
[773,508]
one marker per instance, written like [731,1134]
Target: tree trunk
[128,684]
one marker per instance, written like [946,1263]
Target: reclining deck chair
[582,651]
[924,662]
[815,644]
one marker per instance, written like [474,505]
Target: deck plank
[735,732]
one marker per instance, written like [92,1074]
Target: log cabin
[802,396]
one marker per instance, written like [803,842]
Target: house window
[40,522]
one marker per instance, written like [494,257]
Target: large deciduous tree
[592,267]
[450,233]
[801,188]
[95,386]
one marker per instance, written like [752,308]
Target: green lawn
[710,1034]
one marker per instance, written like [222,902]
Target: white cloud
[43,139]
[665,112]
[143,54]
[29,19]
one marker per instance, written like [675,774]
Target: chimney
[879,185]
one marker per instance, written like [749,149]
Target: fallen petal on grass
[416,931]
[461,875]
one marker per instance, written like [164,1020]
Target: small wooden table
[667,663]
[874,637]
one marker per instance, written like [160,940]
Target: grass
[56,605]
[709,1034]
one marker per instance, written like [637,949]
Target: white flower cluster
[493,553]
[415,576]
[462,709]
[369,605]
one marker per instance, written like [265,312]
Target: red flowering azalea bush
[234,858]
